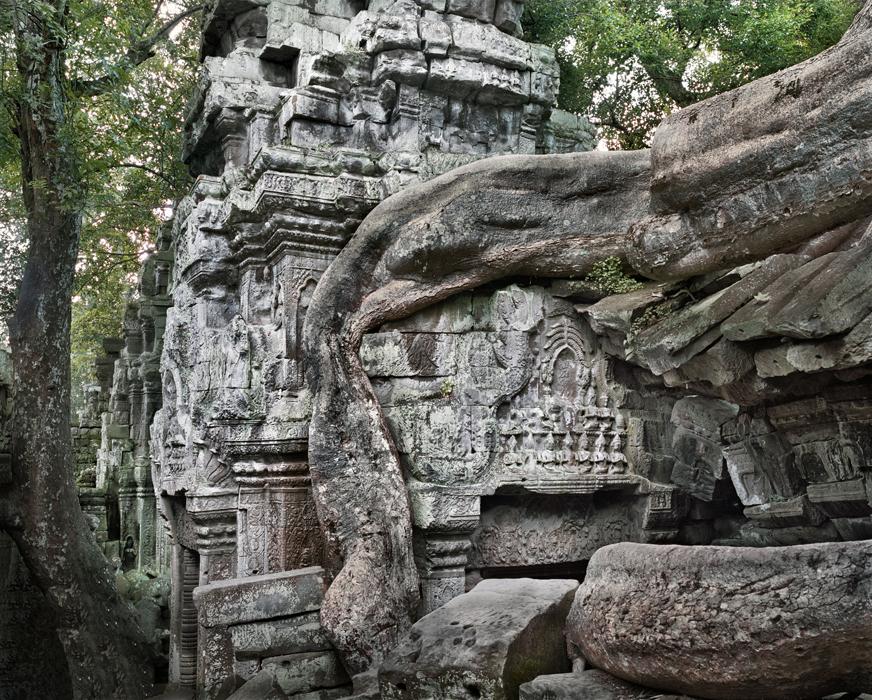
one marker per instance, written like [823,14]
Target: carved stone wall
[117,489]
[510,393]
[305,117]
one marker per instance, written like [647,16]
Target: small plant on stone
[608,276]
[447,388]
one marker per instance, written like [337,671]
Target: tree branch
[140,52]
[150,171]
[669,83]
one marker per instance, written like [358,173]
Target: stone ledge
[255,598]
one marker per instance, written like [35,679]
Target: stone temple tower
[308,113]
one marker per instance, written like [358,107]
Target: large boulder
[482,644]
[730,622]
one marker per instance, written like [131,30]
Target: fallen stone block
[482,644]
[254,598]
[730,622]
[311,676]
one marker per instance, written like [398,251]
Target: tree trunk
[105,651]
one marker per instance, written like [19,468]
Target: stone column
[185,572]
[444,522]
[215,536]
[145,514]
[93,502]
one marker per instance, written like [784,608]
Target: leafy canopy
[125,115]
[628,63]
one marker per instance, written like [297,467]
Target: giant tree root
[730,622]
[736,178]
[509,215]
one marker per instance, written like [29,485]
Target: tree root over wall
[759,170]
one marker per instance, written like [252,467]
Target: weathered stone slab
[834,301]
[791,512]
[730,622]
[617,311]
[723,363]
[587,685]
[685,333]
[258,640]
[253,598]
[851,350]
[484,643]
[841,499]
[756,318]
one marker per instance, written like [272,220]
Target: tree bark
[103,644]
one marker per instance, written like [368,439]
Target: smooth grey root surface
[730,622]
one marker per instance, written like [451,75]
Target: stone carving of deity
[590,396]
[546,456]
[277,306]
[583,380]
[582,453]
[616,455]
[235,351]
[567,453]
[465,441]
[599,452]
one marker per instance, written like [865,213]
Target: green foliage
[125,119]
[628,64]
[608,276]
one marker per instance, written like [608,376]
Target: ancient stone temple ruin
[510,364]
